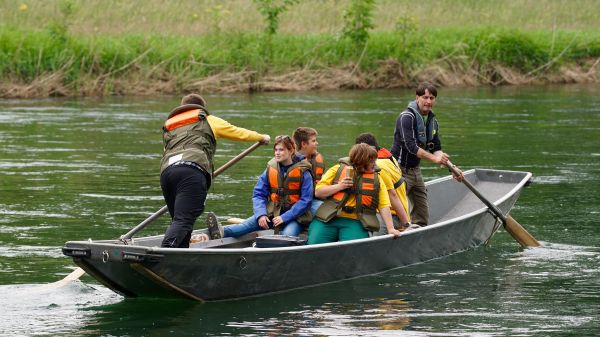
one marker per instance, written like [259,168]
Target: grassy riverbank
[92,48]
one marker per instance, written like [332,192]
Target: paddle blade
[76,274]
[519,233]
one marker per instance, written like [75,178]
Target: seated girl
[353,193]
[282,196]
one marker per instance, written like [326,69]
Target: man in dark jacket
[417,137]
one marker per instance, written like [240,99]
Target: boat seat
[241,242]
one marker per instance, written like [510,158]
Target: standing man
[190,140]
[416,137]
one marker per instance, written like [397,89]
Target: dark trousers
[184,189]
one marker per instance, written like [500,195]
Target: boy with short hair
[306,144]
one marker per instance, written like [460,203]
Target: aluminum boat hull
[231,268]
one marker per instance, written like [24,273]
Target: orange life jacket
[317,167]
[184,115]
[366,189]
[284,191]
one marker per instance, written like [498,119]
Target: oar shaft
[511,225]
[145,223]
[164,209]
[470,186]
[236,159]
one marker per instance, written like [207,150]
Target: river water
[72,169]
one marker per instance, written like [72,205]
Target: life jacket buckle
[348,209]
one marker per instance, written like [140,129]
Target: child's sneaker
[215,231]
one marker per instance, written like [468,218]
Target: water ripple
[58,163]
[122,197]
[13,229]
[20,251]
[33,213]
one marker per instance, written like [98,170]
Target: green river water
[73,169]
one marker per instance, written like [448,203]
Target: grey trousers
[383,229]
[417,195]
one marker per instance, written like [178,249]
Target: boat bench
[241,242]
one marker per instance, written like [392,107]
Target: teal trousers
[337,229]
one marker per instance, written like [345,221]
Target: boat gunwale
[518,187]
[253,250]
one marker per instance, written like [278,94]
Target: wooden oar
[77,273]
[511,225]
[74,275]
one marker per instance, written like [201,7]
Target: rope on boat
[497,225]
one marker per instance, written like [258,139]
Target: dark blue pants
[184,189]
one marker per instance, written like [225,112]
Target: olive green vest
[194,142]
[367,215]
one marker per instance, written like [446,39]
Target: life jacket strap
[349,209]
[399,182]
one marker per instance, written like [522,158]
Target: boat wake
[35,309]
[557,252]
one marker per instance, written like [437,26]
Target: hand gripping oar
[511,225]
[77,273]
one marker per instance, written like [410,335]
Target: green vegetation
[358,20]
[70,47]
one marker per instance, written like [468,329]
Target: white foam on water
[35,309]
[553,252]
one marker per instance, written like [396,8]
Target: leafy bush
[358,20]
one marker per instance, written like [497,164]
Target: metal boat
[233,268]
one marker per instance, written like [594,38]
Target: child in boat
[306,144]
[282,196]
[353,192]
[394,182]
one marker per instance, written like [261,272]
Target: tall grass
[201,17]
[95,43]
[27,54]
